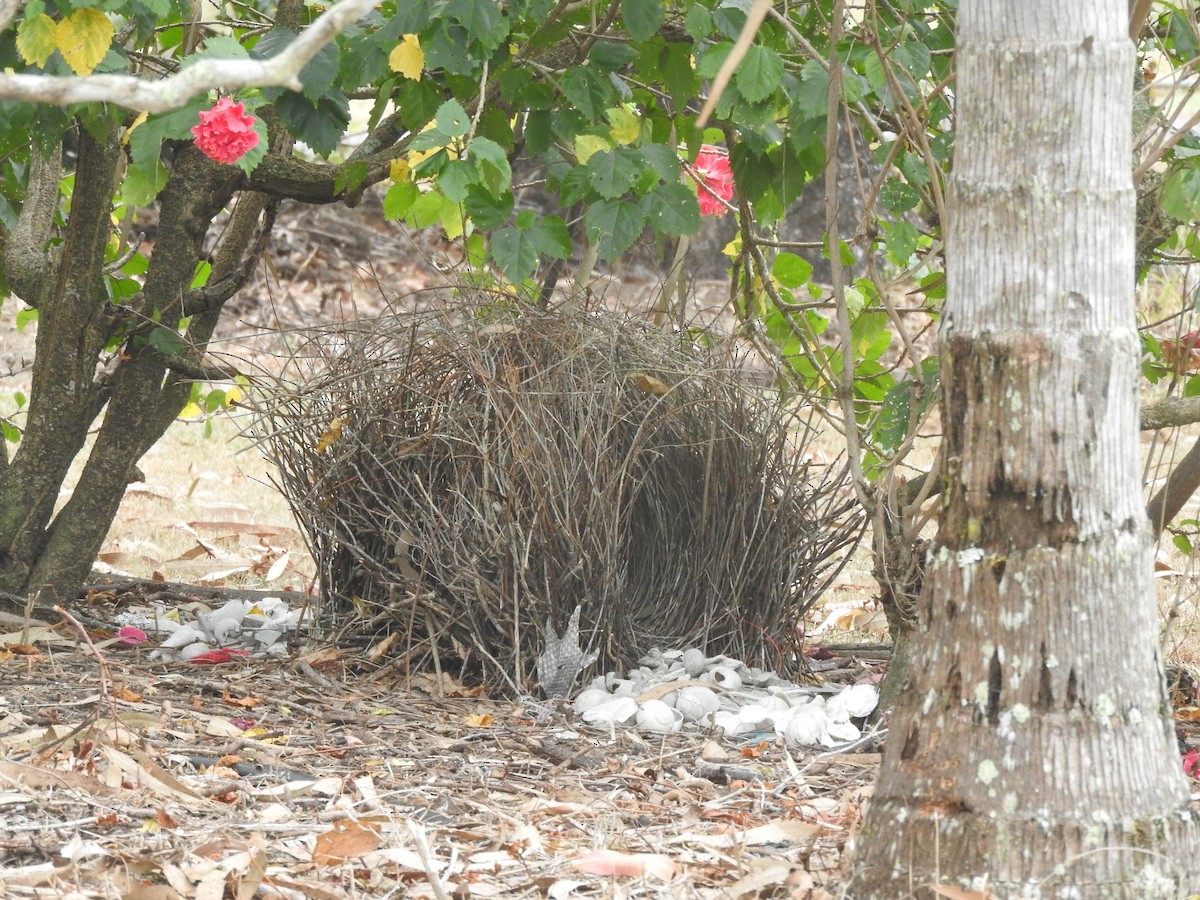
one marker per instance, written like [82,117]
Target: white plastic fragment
[613,712]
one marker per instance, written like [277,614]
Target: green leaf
[897,197]
[426,209]
[642,17]
[698,23]
[165,340]
[791,271]
[613,226]
[24,317]
[492,162]
[901,241]
[812,97]
[12,433]
[610,56]
[140,189]
[663,160]
[37,39]
[588,91]
[1181,541]
[482,20]
[612,173]
[758,76]
[452,120]
[454,179]
[200,275]
[399,200]
[320,126]
[515,252]
[672,209]
[678,74]
[319,74]
[551,237]
[1180,197]
[486,210]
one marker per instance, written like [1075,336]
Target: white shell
[590,699]
[654,715]
[695,702]
[724,677]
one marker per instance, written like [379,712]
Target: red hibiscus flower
[225,132]
[714,180]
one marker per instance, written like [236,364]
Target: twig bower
[468,475]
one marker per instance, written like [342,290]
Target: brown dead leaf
[123,693]
[346,840]
[637,865]
[22,649]
[163,818]
[756,751]
[243,702]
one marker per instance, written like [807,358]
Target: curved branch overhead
[134,92]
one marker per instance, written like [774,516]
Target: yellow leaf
[141,117]
[587,144]
[400,171]
[191,411]
[407,57]
[650,384]
[626,126]
[331,434]
[36,39]
[83,39]
[479,720]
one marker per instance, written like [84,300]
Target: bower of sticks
[470,475]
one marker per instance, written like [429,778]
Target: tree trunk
[50,552]
[1031,753]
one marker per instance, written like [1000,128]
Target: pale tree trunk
[1031,752]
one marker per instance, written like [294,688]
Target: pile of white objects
[257,627]
[681,689]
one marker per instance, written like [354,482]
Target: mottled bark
[142,404]
[1031,753]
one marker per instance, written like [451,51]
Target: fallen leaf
[957,893]
[346,840]
[637,865]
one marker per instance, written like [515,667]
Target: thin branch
[132,92]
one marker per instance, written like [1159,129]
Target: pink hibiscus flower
[225,132]
[714,180]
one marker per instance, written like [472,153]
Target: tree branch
[27,263]
[1171,412]
[134,92]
